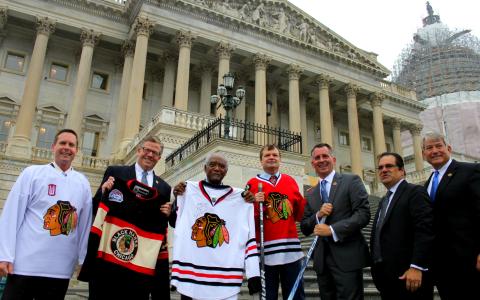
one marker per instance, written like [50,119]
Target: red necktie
[273,179]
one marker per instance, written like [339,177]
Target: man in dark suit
[149,153]
[336,211]
[402,236]
[456,210]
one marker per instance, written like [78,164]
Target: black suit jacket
[406,234]
[351,212]
[456,211]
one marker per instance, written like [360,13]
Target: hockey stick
[305,263]
[263,294]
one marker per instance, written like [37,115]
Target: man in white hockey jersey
[45,224]
[214,241]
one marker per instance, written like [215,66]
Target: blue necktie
[433,190]
[323,191]
[144,177]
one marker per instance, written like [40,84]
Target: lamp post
[225,98]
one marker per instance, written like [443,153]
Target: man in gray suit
[336,211]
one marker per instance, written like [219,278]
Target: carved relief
[128,48]
[45,25]
[143,26]
[185,39]
[261,61]
[90,37]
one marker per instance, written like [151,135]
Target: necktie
[323,191]
[433,190]
[273,179]
[144,177]
[377,256]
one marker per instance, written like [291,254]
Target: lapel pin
[334,183]
[449,174]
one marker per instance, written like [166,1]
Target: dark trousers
[455,283]
[286,276]
[108,289]
[22,287]
[392,288]
[335,284]
[161,282]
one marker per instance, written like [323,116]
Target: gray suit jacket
[351,212]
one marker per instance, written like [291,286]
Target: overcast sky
[387,26]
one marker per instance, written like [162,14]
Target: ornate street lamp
[225,98]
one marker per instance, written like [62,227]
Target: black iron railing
[241,131]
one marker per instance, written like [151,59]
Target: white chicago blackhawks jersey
[214,242]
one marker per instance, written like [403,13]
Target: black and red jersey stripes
[127,233]
[214,242]
[284,205]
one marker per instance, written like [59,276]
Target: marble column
[224,51]
[241,78]
[294,73]
[416,130]
[3,22]
[273,87]
[184,41]
[326,124]
[170,64]
[143,27]
[206,71]
[376,100]
[261,62]
[303,121]
[20,143]
[89,39]
[353,129]
[128,49]
[397,137]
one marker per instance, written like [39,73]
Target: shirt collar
[329,177]
[139,170]
[266,176]
[444,168]
[56,167]
[394,188]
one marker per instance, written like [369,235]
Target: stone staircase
[310,278]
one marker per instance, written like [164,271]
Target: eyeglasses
[387,166]
[150,151]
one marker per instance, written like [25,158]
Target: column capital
[323,81]
[396,123]
[294,72]
[224,50]
[415,129]
[351,90]
[206,68]
[143,26]
[185,39]
[3,16]
[45,26]
[89,37]
[376,99]
[128,48]
[169,56]
[261,61]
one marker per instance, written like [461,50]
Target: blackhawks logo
[278,207]
[124,244]
[210,231]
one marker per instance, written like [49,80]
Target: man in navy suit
[149,153]
[454,189]
[337,209]
[402,236]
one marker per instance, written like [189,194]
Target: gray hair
[432,135]
[217,154]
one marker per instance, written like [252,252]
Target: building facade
[117,70]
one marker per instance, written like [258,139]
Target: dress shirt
[139,171]
[441,172]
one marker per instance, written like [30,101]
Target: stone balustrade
[175,117]
[42,154]
[398,90]
[94,162]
